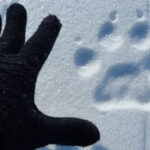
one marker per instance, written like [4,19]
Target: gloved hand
[22,125]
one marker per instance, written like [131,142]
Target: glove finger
[66,131]
[13,36]
[40,44]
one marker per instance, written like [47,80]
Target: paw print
[119,79]
[83,56]
[84,59]
[108,27]
[114,72]
[107,36]
[125,73]
[122,79]
[140,29]
[139,32]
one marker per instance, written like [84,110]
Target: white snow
[99,68]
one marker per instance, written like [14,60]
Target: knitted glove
[22,125]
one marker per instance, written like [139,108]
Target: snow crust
[99,68]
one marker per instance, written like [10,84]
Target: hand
[22,125]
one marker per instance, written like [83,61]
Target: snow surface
[99,68]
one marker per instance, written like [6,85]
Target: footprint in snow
[139,31]
[116,81]
[84,59]
[83,56]
[107,35]
[109,88]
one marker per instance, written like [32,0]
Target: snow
[99,68]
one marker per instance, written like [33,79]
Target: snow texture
[99,68]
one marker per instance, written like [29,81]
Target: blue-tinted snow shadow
[99,147]
[145,62]
[113,15]
[139,30]
[139,13]
[122,70]
[67,148]
[83,56]
[106,29]
[114,72]
[144,97]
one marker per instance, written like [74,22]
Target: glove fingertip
[16,10]
[52,20]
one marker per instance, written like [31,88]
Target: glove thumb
[66,131]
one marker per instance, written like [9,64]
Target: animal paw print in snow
[123,75]
[120,75]
[107,36]
[139,32]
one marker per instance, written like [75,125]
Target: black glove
[22,125]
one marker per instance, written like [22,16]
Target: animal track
[106,29]
[139,13]
[106,36]
[114,72]
[140,29]
[83,59]
[83,56]
[139,32]
[111,40]
[122,70]
[113,15]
